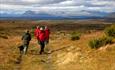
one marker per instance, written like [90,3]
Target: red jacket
[47,32]
[42,35]
[36,33]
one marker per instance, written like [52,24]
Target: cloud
[30,2]
[58,7]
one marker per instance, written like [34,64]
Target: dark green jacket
[26,38]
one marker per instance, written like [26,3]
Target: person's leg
[42,45]
[25,49]
[25,46]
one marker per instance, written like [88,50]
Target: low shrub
[75,36]
[109,40]
[110,31]
[96,43]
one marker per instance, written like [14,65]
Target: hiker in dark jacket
[26,39]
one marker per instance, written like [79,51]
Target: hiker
[26,39]
[47,32]
[36,32]
[42,39]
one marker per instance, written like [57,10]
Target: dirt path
[34,62]
[18,63]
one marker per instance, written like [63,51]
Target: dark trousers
[42,46]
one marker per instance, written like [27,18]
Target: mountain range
[33,15]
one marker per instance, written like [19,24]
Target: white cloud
[15,7]
[31,1]
[58,7]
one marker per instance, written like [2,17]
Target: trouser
[25,45]
[42,46]
[25,49]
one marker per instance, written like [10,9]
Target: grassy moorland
[65,54]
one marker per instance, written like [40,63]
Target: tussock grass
[75,36]
[97,43]
[110,31]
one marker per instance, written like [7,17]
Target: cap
[41,28]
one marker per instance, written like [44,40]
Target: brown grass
[60,43]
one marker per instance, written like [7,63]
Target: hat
[41,28]
[46,27]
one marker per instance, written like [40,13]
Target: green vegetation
[108,39]
[110,31]
[96,43]
[75,36]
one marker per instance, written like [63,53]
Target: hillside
[61,53]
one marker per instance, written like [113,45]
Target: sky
[57,7]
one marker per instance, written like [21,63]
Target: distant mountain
[29,13]
[42,15]
[96,13]
[33,15]
[111,15]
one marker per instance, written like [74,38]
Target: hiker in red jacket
[47,31]
[42,38]
[36,32]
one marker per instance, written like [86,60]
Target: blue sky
[57,7]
